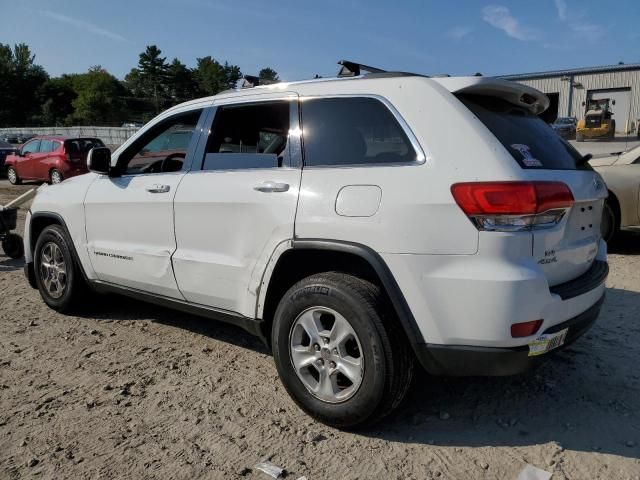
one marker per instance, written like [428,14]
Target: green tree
[20,79]
[181,84]
[57,96]
[100,98]
[268,75]
[212,77]
[149,79]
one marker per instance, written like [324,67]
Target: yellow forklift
[598,122]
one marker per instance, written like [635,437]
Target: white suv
[356,224]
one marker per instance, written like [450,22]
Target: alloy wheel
[53,270]
[326,354]
[11,175]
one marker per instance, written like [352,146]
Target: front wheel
[12,175]
[58,277]
[339,350]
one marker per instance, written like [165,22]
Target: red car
[50,158]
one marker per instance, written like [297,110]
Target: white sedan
[621,173]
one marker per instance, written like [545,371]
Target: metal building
[569,90]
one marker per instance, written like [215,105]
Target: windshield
[529,140]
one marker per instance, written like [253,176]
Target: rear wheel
[55,176]
[339,352]
[13,246]
[58,277]
[12,175]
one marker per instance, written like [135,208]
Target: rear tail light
[525,329]
[513,206]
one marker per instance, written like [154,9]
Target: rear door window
[250,136]
[529,140]
[46,146]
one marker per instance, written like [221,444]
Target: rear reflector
[525,329]
[513,205]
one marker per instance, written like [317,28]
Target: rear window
[82,145]
[529,140]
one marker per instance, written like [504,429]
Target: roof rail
[353,69]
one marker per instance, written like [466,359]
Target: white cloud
[81,24]
[458,32]
[561,6]
[500,17]
[578,26]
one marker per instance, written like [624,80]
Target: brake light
[525,329]
[512,206]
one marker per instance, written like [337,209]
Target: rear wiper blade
[584,159]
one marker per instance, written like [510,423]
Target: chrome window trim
[420,153]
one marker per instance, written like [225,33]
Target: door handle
[268,187]
[157,188]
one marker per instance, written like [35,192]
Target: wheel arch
[40,221]
[308,256]
[617,210]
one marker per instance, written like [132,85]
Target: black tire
[579,137]
[13,177]
[55,176]
[610,223]
[387,358]
[75,290]
[13,246]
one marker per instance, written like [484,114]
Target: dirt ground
[133,391]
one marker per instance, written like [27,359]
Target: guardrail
[109,135]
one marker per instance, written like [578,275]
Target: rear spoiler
[515,93]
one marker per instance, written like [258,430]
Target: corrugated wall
[598,81]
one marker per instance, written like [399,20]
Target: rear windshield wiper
[584,159]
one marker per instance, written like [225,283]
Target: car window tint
[352,131]
[55,145]
[529,140]
[249,136]
[31,147]
[163,148]
[46,146]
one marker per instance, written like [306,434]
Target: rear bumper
[460,360]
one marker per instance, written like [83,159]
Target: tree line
[30,97]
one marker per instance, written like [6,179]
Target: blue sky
[301,38]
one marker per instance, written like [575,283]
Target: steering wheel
[173,156]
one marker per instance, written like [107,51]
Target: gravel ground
[129,390]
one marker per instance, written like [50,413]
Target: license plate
[546,343]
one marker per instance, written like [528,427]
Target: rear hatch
[566,249]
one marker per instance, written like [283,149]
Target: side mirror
[613,102]
[99,160]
